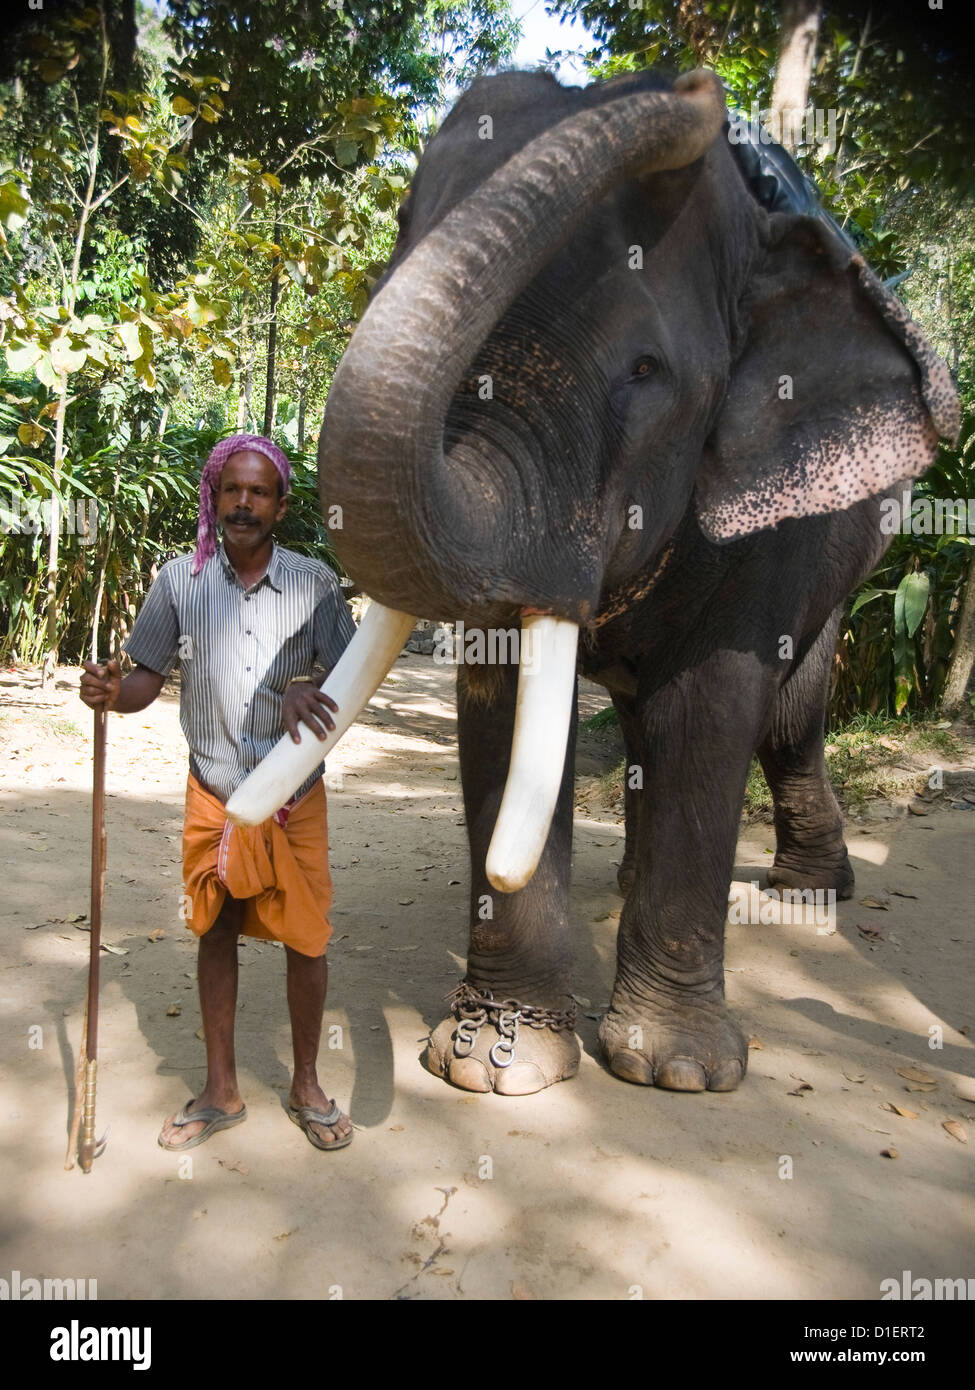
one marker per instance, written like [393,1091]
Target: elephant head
[586,312]
[589,327]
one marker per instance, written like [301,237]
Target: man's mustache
[240,519]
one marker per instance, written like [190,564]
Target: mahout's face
[249,499]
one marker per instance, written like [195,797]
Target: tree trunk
[272,340]
[244,413]
[963,652]
[244,389]
[302,398]
[54,539]
[797,51]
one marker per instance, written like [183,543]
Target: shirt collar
[271,577]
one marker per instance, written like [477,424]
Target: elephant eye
[644,366]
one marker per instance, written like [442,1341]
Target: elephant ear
[836,394]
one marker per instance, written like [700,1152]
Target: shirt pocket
[289,652]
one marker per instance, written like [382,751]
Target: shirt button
[248,668]
[248,632]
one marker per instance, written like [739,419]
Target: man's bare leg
[307,987]
[217,974]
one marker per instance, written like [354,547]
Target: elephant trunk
[449,541]
[382,457]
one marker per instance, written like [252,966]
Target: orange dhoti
[280,871]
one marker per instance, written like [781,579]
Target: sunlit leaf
[129,333]
[31,435]
[916,588]
[220,371]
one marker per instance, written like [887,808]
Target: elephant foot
[678,1047]
[488,1048]
[788,871]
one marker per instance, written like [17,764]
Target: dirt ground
[593,1189]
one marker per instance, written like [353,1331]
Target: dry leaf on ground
[916,1074]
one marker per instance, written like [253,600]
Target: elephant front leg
[667,1024]
[519,957]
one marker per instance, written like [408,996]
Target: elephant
[603,385]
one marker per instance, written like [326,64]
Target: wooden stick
[89,1144]
[86,1069]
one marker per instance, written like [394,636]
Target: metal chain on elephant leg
[473,1008]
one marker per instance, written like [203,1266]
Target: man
[248,622]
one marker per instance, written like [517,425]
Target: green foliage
[157,197]
[289,68]
[898,632]
[896,78]
[124,511]
[604,719]
[867,757]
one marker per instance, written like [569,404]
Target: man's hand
[306,702]
[100,685]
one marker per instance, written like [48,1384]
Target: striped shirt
[238,650]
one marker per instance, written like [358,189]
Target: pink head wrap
[206,530]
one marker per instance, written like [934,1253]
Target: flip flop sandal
[213,1120]
[306,1115]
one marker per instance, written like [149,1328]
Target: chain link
[474,1008]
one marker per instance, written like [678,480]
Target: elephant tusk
[351,684]
[543,712]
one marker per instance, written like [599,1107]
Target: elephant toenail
[682,1074]
[726,1076]
[631,1066]
[520,1079]
[469,1074]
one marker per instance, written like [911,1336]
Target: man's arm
[102,687]
[152,645]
